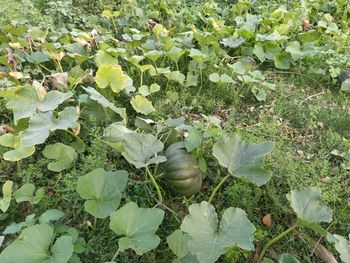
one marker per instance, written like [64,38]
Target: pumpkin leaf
[28,100]
[287,258]
[15,142]
[140,149]
[102,191]
[178,243]
[342,245]
[50,215]
[6,196]
[138,226]
[42,123]
[193,140]
[63,154]
[244,159]
[208,240]
[38,57]
[142,105]
[33,246]
[104,58]
[308,206]
[111,75]
[114,136]
[26,194]
[100,99]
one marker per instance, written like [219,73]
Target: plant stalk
[115,255]
[76,137]
[159,193]
[217,188]
[275,239]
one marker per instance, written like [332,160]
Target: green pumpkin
[181,170]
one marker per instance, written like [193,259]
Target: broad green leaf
[287,258]
[42,123]
[308,206]
[259,52]
[144,68]
[342,245]
[214,77]
[193,140]
[15,142]
[154,88]
[345,86]
[140,149]
[224,78]
[297,51]
[104,58]
[244,159]
[26,194]
[238,67]
[38,57]
[282,60]
[28,100]
[114,135]
[198,56]
[176,76]
[208,240]
[232,43]
[63,154]
[102,191]
[50,215]
[175,53]
[62,250]
[178,243]
[153,55]
[17,227]
[6,196]
[111,75]
[33,246]
[142,105]
[100,99]
[145,90]
[138,226]
[191,79]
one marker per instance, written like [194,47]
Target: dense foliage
[174,131]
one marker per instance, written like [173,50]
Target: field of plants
[174,131]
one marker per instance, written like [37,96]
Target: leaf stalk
[223,180]
[275,239]
[159,193]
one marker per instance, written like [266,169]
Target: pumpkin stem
[159,193]
[217,188]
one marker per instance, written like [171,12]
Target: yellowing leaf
[111,75]
[142,104]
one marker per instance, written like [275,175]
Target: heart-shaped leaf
[63,154]
[208,240]
[33,246]
[42,123]
[26,194]
[28,100]
[244,159]
[111,75]
[142,105]
[99,98]
[138,226]
[15,142]
[308,206]
[140,149]
[102,191]
[178,243]
[342,245]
